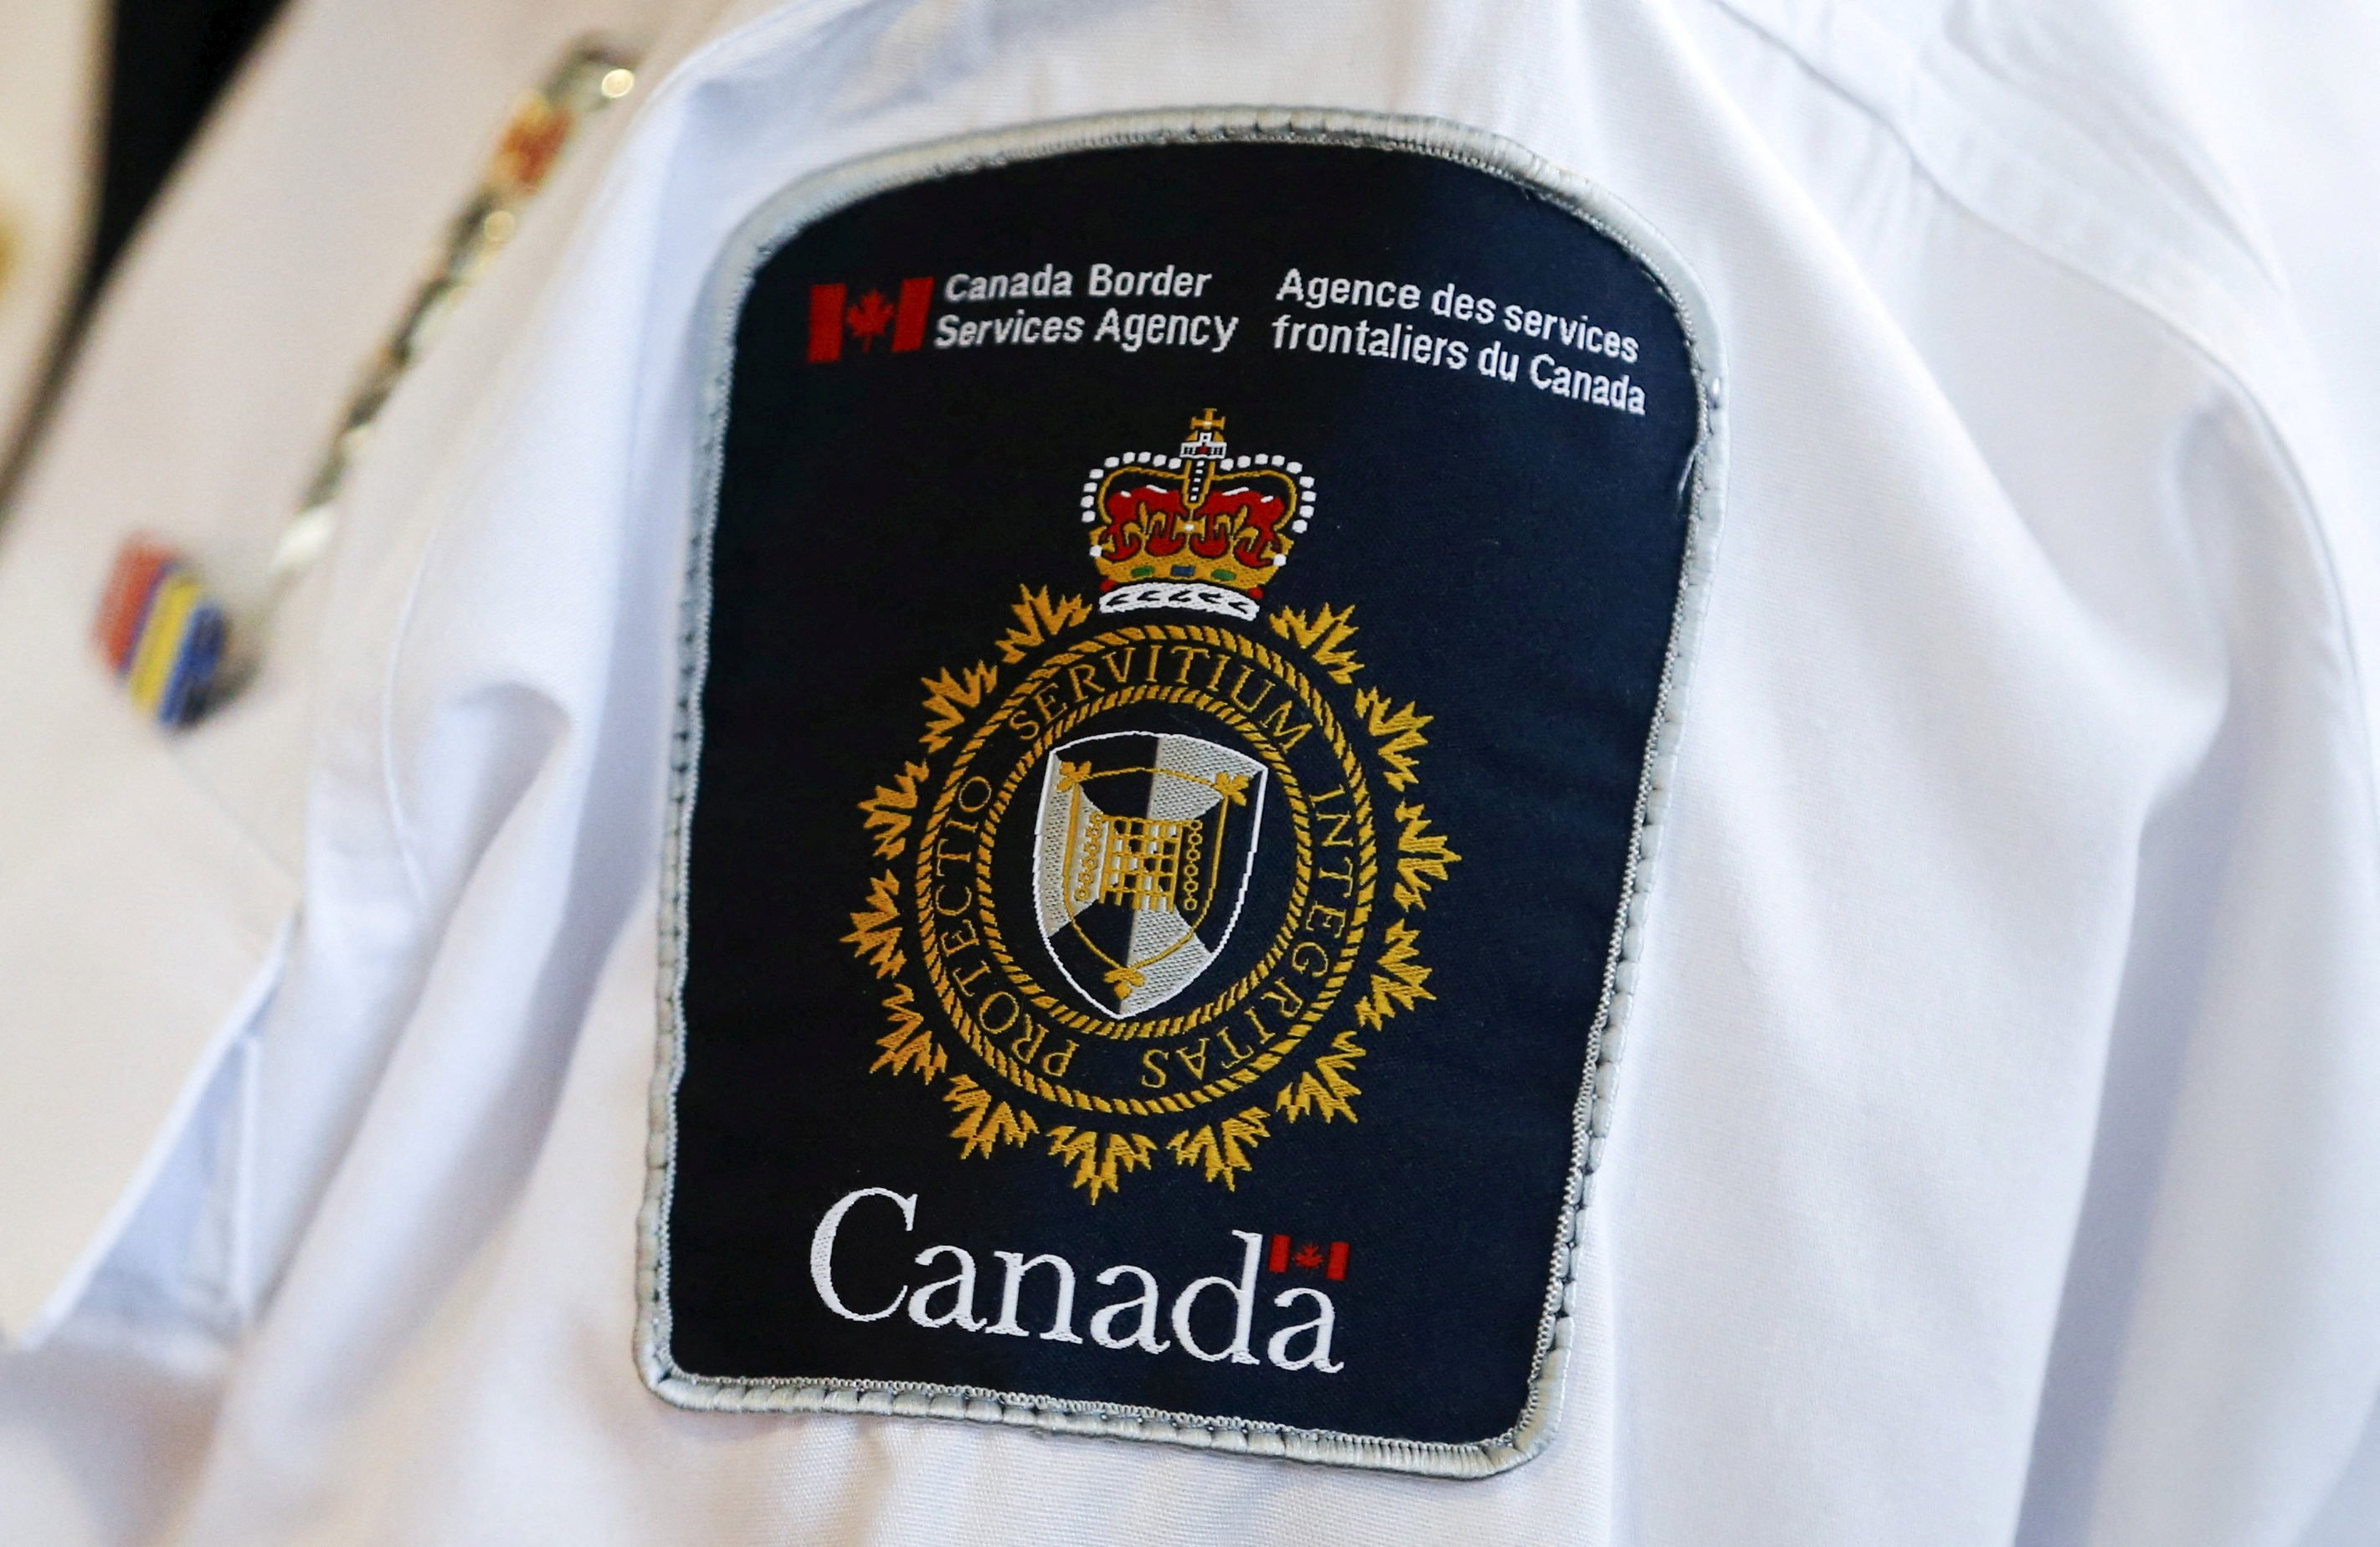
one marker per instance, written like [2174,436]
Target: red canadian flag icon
[833,312]
[1307,1255]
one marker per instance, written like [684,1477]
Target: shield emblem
[1144,848]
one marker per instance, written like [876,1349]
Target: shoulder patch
[1180,654]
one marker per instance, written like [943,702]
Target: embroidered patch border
[827,193]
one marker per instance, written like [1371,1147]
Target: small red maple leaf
[1309,1256]
[870,318]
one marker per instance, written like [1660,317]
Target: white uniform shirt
[1993,1156]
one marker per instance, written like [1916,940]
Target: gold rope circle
[1359,911]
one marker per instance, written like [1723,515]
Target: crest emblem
[1142,948]
[1142,861]
[1153,871]
[1198,529]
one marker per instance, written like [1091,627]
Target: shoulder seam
[1979,169]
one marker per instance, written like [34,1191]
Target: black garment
[167,62]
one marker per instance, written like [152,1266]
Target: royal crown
[1201,529]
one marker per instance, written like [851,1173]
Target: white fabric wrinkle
[97,1403]
[429,444]
[497,682]
[2142,1080]
[2098,654]
[887,56]
[2238,1259]
[2109,236]
[2130,103]
[2195,659]
[497,1098]
[2346,1517]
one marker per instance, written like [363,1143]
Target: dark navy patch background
[1513,559]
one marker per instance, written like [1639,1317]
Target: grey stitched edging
[835,189]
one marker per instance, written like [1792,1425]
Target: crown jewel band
[1201,530]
